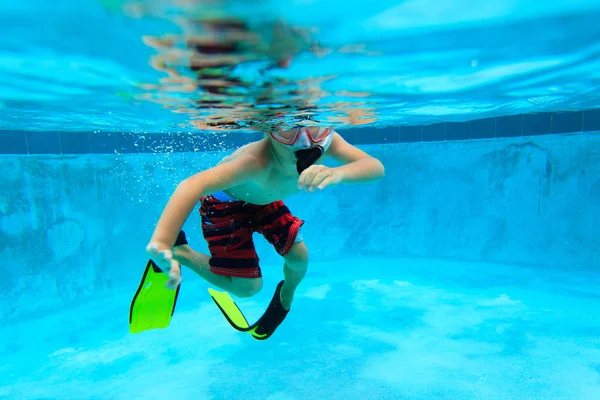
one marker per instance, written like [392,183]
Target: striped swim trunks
[228,225]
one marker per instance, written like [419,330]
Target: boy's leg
[294,270]
[198,262]
[282,229]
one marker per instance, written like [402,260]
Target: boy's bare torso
[275,182]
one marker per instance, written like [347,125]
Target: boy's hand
[318,176]
[163,257]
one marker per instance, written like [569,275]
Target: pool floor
[358,329]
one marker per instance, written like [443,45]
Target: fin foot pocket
[272,318]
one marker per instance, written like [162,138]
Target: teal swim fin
[266,324]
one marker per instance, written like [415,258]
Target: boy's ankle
[288,287]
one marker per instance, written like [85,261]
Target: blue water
[125,65]
[469,272]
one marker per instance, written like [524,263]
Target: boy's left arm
[357,167]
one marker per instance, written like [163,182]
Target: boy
[241,195]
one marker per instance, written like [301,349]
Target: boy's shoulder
[254,155]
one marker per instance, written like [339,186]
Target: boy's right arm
[189,191]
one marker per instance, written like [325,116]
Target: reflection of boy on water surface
[220,46]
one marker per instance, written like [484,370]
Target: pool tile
[43,143]
[434,132]
[389,134]
[591,120]
[411,134]
[509,126]
[457,130]
[537,124]
[128,143]
[104,142]
[184,142]
[229,142]
[567,122]
[483,128]
[158,143]
[366,136]
[13,142]
[349,134]
[75,142]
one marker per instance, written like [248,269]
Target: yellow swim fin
[230,310]
[153,304]
[266,324]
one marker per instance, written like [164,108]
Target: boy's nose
[304,141]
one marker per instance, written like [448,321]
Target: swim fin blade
[266,324]
[230,310]
[153,304]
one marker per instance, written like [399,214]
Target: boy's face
[307,144]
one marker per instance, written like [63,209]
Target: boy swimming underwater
[241,195]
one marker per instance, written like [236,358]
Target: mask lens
[320,135]
[285,137]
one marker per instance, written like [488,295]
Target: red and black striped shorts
[228,227]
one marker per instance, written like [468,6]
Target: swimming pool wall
[74,226]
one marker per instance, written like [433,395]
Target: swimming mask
[303,138]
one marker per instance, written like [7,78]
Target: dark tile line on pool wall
[26,142]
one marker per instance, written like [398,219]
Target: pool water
[469,272]
[467,276]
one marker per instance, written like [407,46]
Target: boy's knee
[298,255]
